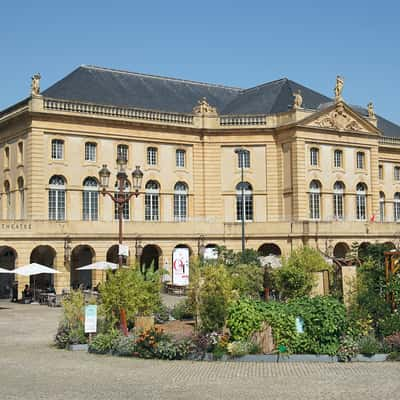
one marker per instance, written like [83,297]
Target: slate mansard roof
[128,89]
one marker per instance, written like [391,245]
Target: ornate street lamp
[241,153]
[121,197]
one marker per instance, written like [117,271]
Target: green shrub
[182,310]
[241,348]
[104,343]
[389,325]
[162,314]
[369,345]
[215,295]
[247,280]
[147,342]
[295,277]
[124,346]
[347,350]
[173,350]
[62,339]
[324,322]
[393,342]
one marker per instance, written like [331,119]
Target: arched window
[338,200]
[125,206]
[21,193]
[361,207]
[6,157]
[152,201]
[90,199]
[315,200]
[180,201]
[180,158]
[243,159]
[314,156]
[396,204]
[57,198]
[244,201]
[338,159]
[7,192]
[381,206]
[152,156]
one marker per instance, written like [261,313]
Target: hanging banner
[180,266]
[91,319]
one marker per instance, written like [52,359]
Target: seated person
[27,293]
[51,289]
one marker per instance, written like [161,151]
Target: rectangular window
[380,169]
[122,151]
[151,156]
[151,207]
[314,156]
[56,205]
[314,206]
[20,153]
[382,210]
[397,173]
[361,207]
[180,158]
[90,151]
[57,149]
[338,159]
[248,207]
[90,205]
[244,159]
[7,157]
[360,160]
[338,206]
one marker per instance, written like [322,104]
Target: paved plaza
[31,368]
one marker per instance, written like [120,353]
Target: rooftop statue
[339,88]
[371,112]
[35,85]
[298,100]
[203,108]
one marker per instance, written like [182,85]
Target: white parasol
[5,271]
[100,265]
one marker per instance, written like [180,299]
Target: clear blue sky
[234,43]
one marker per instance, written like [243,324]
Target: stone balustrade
[122,112]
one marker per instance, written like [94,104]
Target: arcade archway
[150,256]
[7,261]
[268,249]
[81,255]
[44,255]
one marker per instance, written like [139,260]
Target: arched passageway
[268,249]
[362,248]
[44,255]
[340,250]
[112,254]
[81,255]
[211,252]
[7,261]
[150,257]
[389,246]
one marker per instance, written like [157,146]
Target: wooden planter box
[144,323]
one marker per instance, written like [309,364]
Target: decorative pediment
[341,118]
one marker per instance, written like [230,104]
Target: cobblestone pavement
[31,368]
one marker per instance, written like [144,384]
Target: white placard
[210,253]
[91,318]
[180,266]
[123,250]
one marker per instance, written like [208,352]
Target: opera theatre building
[316,171]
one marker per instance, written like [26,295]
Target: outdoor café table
[43,298]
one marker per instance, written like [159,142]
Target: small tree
[215,296]
[128,292]
[295,278]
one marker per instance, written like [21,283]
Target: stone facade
[279,172]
